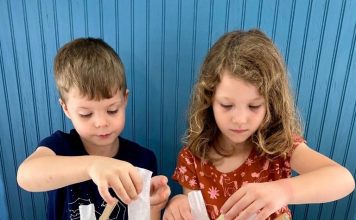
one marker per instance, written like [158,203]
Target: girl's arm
[320,180]
[44,171]
[178,207]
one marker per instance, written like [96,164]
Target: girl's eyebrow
[258,98]
[229,98]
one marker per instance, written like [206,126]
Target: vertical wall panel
[155,72]
[4,199]
[251,9]
[171,21]
[185,66]
[162,45]
[13,101]
[79,18]
[139,72]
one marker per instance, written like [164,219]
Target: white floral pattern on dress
[213,192]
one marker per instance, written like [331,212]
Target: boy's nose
[100,122]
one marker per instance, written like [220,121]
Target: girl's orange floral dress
[217,187]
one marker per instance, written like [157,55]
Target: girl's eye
[113,112]
[226,106]
[85,115]
[254,107]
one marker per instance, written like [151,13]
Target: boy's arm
[159,194]
[44,170]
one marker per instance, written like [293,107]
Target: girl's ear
[64,107]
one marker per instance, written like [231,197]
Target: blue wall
[162,44]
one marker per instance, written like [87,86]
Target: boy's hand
[256,200]
[178,209]
[160,192]
[119,175]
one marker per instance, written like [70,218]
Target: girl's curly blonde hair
[252,57]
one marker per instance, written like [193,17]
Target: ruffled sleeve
[185,172]
[297,140]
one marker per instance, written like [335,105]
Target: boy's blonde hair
[252,57]
[91,66]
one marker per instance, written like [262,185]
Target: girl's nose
[239,116]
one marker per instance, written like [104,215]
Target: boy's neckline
[94,150]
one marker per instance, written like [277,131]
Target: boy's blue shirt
[63,203]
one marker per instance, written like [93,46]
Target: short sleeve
[185,172]
[297,140]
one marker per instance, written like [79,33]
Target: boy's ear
[126,96]
[64,107]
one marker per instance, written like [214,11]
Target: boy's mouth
[104,135]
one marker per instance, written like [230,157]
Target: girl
[244,139]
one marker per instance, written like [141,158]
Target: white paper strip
[87,212]
[197,205]
[140,209]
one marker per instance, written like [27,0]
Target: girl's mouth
[238,131]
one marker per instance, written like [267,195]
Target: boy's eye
[85,115]
[112,112]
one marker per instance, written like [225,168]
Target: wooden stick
[107,211]
[284,216]
[221,217]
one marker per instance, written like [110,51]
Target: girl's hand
[256,200]
[119,175]
[160,192]
[178,209]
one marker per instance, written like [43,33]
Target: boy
[92,164]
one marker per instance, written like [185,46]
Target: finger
[129,186]
[157,182]
[160,196]
[264,213]
[105,194]
[136,179]
[186,215]
[168,215]
[160,191]
[230,202]
[176,215]
[251,211]
[237,208]
[185,212]
[120,191]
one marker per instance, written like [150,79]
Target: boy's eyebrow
[110,105]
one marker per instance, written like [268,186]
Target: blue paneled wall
[162,44]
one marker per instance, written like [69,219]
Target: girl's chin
[238,140]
